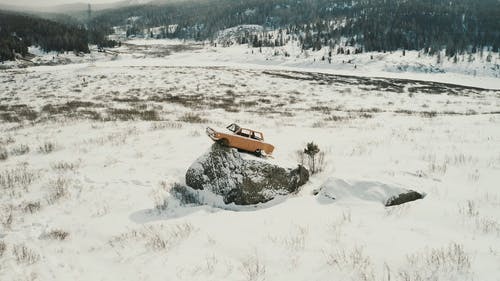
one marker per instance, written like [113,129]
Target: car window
[245,132]
[257,136]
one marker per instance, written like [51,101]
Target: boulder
[408,196]
[387,194]
[241,178]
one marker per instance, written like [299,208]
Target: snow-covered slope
[85,186]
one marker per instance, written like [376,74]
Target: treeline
[368,25]
[19,31]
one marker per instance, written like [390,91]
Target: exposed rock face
[410,195]
[243,180]
[389,195]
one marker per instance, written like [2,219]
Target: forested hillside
[373,25]
[19,31]
[460,26]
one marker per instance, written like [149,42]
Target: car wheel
[258,153]
[223,142]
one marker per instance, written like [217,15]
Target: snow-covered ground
[91,149]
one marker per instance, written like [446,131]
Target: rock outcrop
[243,179]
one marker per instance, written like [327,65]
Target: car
[242,139]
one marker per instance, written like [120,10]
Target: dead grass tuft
[192,118]
[20,150]
[47,147]
[56,234]
[25,255]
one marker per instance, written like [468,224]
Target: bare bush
[437,264]
[354,260]
[25,255]
[65,166]
[6,216]
[47,147]
[295,241]
[58,189]
[13,181]
[56,234]
[20,150]
[469,209]
[156,237]
[487,225]
[32,207]
[3,248]
[4,155]
[253,269]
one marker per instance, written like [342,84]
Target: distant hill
[19,31]
[371,25]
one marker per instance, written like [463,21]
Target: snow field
[100,178]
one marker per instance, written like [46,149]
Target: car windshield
[233,128]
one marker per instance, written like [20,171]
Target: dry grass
[155,237]
[253,268]
[25,255]
[20,150]
[119,114]
[47,147]
[17,180]
[32,207]
[4,155]
[192,118]
[353,260]
[165,125]
[56,234]
[437,264]
[65,166]
[58,189]
[3,248]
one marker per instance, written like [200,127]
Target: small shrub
[65,166]
[20,150]
[4,155]
[354,260]
[3,247]
[24,254]
[57,234]
[132,114]
[336,118]
[47,147]
[428,114]
[253,269]
[58,190]
[6,217]
[32,207]
[18,179]
[438,264]
[314,158]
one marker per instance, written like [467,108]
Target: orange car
[242,138]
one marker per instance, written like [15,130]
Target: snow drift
[389,195]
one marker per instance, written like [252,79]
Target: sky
[39,3]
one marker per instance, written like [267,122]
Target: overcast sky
[38,3]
